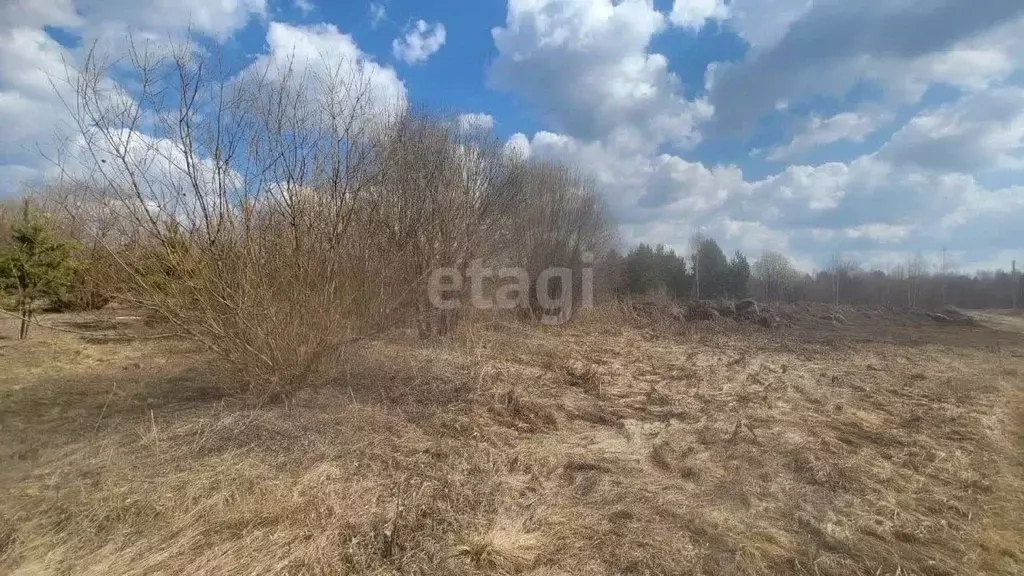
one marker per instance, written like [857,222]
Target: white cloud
[640,187]
[693,14]
[882,233]
[30,109]
[35,14]
[420,42]
[974,63]
[808,212]
[818,131]
[979,132]
[584,65]
[217,19]
[518,144]
[323,48]
[476,122]
[611,108]
[94,19]
[156,165]
[305,6]
[377,14]
[762,24]
[29,62]
[31,112]
[829,47]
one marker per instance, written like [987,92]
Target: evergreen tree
[713,269]
[739,276]
[678,282]
[36,265]
[642,275]
[652,270]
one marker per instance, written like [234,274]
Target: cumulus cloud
[216,19]
[985,220]
[324,48]
[831,45]
[807,211]
[979,132]
[518,144]
[157,166]
[818,131]
[585,66]
[31,111]
[420,42]
[693,14]
[646,189]
[855,200]
[476,122]
[33,64]
[640,187]
[614,109]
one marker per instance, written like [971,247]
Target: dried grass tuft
[507,548]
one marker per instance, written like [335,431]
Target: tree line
[649,270]
[657,271]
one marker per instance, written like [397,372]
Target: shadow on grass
[91,325]
[54,411]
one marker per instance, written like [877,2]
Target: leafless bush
[278,215]
[773,277]
[439,199]
[226,204]
[450,197]
[564,224]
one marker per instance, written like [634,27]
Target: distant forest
[708,273]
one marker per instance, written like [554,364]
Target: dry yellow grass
[612,447]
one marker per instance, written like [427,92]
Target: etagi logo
[554,288]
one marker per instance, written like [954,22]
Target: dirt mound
[809,315]
[706,311]
[821,315]
[748,305]
[952,315]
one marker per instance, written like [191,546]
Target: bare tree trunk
[25,311]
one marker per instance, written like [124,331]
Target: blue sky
[811,127]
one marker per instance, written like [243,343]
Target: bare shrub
[226,204]
[773,277]
[440,194]
[564,224]
[278,215]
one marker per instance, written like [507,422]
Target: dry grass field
[615,446]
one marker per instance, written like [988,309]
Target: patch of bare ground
[611,447]
[1005,320]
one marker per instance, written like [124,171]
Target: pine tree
[739,275]
[714,269]
[36,265]
[642,271]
